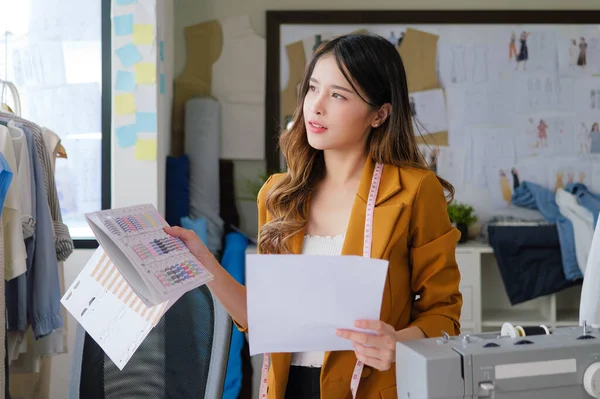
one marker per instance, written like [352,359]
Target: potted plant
[462,216]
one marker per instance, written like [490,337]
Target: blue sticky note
[123,25]
[125,2]
[162,50]
[163,84]
[146,122]
[129,55]
[125,81]
[126,136]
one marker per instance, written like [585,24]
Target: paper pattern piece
[282,318]
[135,83]
[451,165]
[428,109]
[102,301]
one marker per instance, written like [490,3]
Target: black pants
[303,383]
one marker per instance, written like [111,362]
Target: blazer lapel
[385,217]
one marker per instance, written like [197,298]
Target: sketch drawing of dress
[523,52]
[505,187]
[582,59]
[595,142]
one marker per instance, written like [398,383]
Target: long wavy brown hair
[373,65]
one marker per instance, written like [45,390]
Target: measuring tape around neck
[368,239]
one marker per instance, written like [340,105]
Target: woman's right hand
[194,244]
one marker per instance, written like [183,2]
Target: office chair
[184,356]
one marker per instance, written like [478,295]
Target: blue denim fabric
[533,196]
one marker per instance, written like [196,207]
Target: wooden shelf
[528,317]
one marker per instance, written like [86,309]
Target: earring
[375,125]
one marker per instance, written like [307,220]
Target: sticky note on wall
[125,81]
[123,24]
[128,55]
[145,73]
[143,34]
[145,149]
[125,104]
[126,136]
[146,122]
[125,2]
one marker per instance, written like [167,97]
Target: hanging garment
[583,224]
[24,179]
[44,306]
[64,242]
[6,177]
[238,83]
[177,192]
[589,305]
[533,196]
[14,245]
[234,260]
[529,261]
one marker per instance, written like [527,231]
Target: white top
[317,245]
[14,243]
[583,224]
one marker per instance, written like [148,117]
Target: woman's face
[336,117]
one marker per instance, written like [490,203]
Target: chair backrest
[184,356]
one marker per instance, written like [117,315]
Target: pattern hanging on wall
[136,48]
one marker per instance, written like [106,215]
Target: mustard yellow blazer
[412,230]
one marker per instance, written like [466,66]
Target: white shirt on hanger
[14,245]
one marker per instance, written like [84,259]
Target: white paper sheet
[429,111]
[109,310]
[546,134]
[296,302]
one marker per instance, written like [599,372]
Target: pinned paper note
[125,81]
[146,122]
[143,34]
[163,83]
[123,24]
[129,55]
[125,2]
[161,51]
[126,136]
[124,104]
[145,149]
[145,73]
[145,98]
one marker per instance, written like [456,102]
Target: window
[52,50]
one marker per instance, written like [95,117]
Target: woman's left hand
[377,351]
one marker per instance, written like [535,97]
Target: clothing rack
[36,243]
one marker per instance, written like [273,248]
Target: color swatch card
[107,308]
[158,267]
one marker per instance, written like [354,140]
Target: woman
[353,113]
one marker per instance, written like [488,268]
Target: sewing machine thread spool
[508,330]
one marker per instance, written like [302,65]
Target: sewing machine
[562,365]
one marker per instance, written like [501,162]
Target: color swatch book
[157,266]
[102,301]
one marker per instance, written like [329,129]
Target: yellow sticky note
[145,150]
[125,104]
[145,73]
[143,34]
